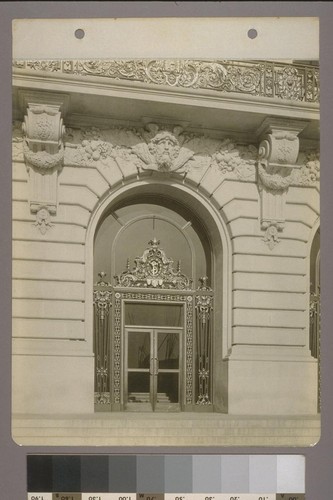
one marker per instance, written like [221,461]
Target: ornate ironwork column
[315,334]
[102,307]
[204,307]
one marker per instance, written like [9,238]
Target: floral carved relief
[308,173]
[172,149]
[239,159]
[160,148]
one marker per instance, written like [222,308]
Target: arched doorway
[161,339]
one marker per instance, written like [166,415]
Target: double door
[152,379]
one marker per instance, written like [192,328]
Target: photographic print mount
[224,171]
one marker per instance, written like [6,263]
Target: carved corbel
[278,153]
[43,148]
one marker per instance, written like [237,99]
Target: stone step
[187,429]
[144,397]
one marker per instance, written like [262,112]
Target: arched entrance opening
[159,272]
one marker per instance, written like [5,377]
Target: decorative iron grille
[315,331]
[102,306]
[153,278]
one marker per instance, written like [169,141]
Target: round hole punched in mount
[252,33]
[79,33]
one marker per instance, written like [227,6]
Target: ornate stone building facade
[165,251]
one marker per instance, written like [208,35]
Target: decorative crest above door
[153,270]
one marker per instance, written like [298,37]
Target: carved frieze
[160,148]
[259,78]
[171,149]
[276,165]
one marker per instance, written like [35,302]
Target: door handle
[153,366]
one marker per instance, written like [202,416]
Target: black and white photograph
[166,250]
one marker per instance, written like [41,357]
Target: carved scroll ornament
[43,130]
[278,154]
[43,151]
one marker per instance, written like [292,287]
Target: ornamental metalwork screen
[152,279]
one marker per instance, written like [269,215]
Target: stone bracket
[43,148]
[278,153]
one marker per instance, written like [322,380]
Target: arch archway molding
[216,233]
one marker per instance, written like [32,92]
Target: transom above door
[153,371]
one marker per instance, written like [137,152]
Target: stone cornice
[256,78]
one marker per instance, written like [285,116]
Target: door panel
[167,345]
[152,369]
[139,349]
[168,349]
[137,393]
